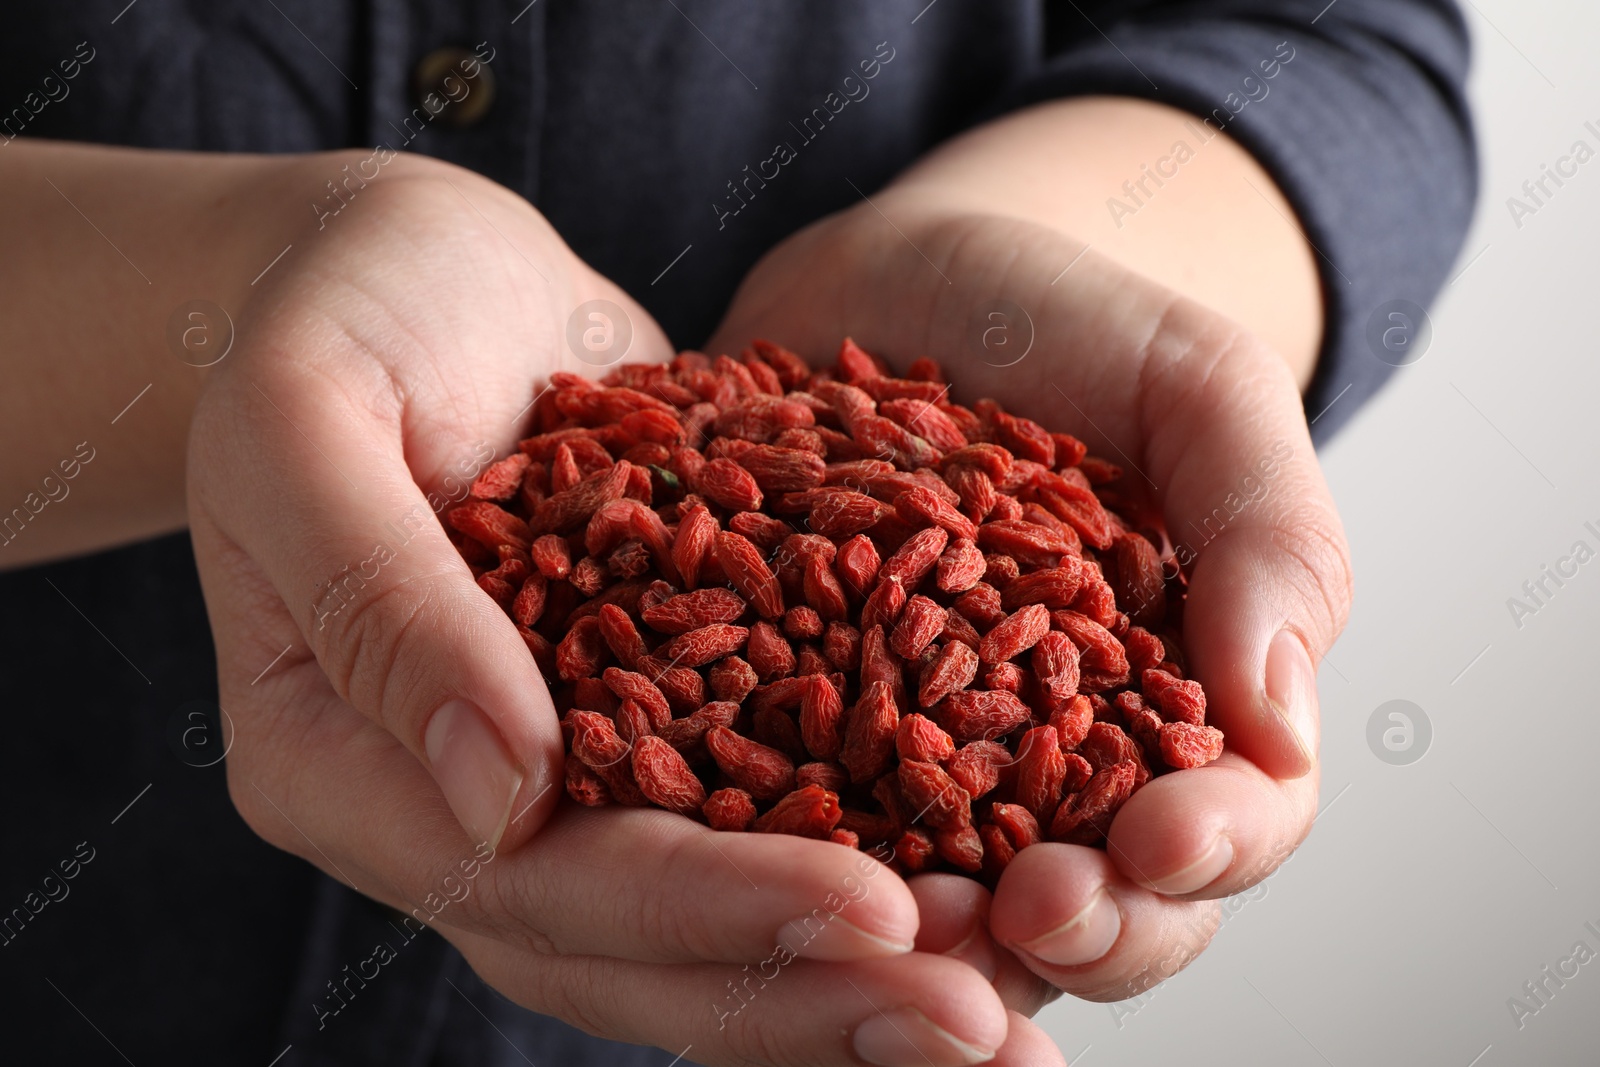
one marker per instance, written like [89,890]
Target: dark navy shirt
[633,125]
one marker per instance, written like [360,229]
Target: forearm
[102,247]
[1216,230]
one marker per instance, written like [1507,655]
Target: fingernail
[1084,938]
[905,1037]
[1199,874]
[825,937]
[472,766]
[1291,685]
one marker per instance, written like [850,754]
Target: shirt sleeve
[1356,109]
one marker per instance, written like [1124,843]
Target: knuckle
[371,650]
[689,931]
[586,998]
[751,1037]
[514,908]
[1313,539]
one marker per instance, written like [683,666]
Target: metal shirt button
[454,86]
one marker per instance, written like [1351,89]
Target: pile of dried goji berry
[836,604]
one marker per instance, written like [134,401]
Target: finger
[1071,917]
[650,885]
[917,1010]
[642,884]
[1020,989]
[954,921]
[1211,831]
[1248,507]
[1027,1045]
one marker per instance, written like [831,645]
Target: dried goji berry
[732,678]
[748,572]
[979,766]
[914,559]
[841,643]
[1179,700]
[690,611]
[664,777]
[585,786]
[618,631]
[951,671]
[596,743]
[810,811]
[769,653]
[729,809]
[1041,769]
[974,714]
[937,798]
[919,624]
[1187,745]
[704,645]
[821,711]
[764,773]
[920,738]
[1015,634]
[869,733]
[960,846]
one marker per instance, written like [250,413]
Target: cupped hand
[392,728]
[1208,426]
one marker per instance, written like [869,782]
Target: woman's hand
[1207,424]
[390,721]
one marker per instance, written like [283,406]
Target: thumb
[1247,506]
[315,488]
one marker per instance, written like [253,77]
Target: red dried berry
[618,631]
[920,738]
[1179,700]
[821,711]
[921,622]
[729,810]
[869,733]
[914,559]
[704,645]
[691,611]
[810,811]
[934,795]
[978,767]
[664,777]
[1041,769]
[769,653]
[1186,745]
[748,572]
[974,715]
[1015,634]
[732,678]
[951,671]
[763,772]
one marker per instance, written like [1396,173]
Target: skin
[394,342]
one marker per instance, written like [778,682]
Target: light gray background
[1428,894]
